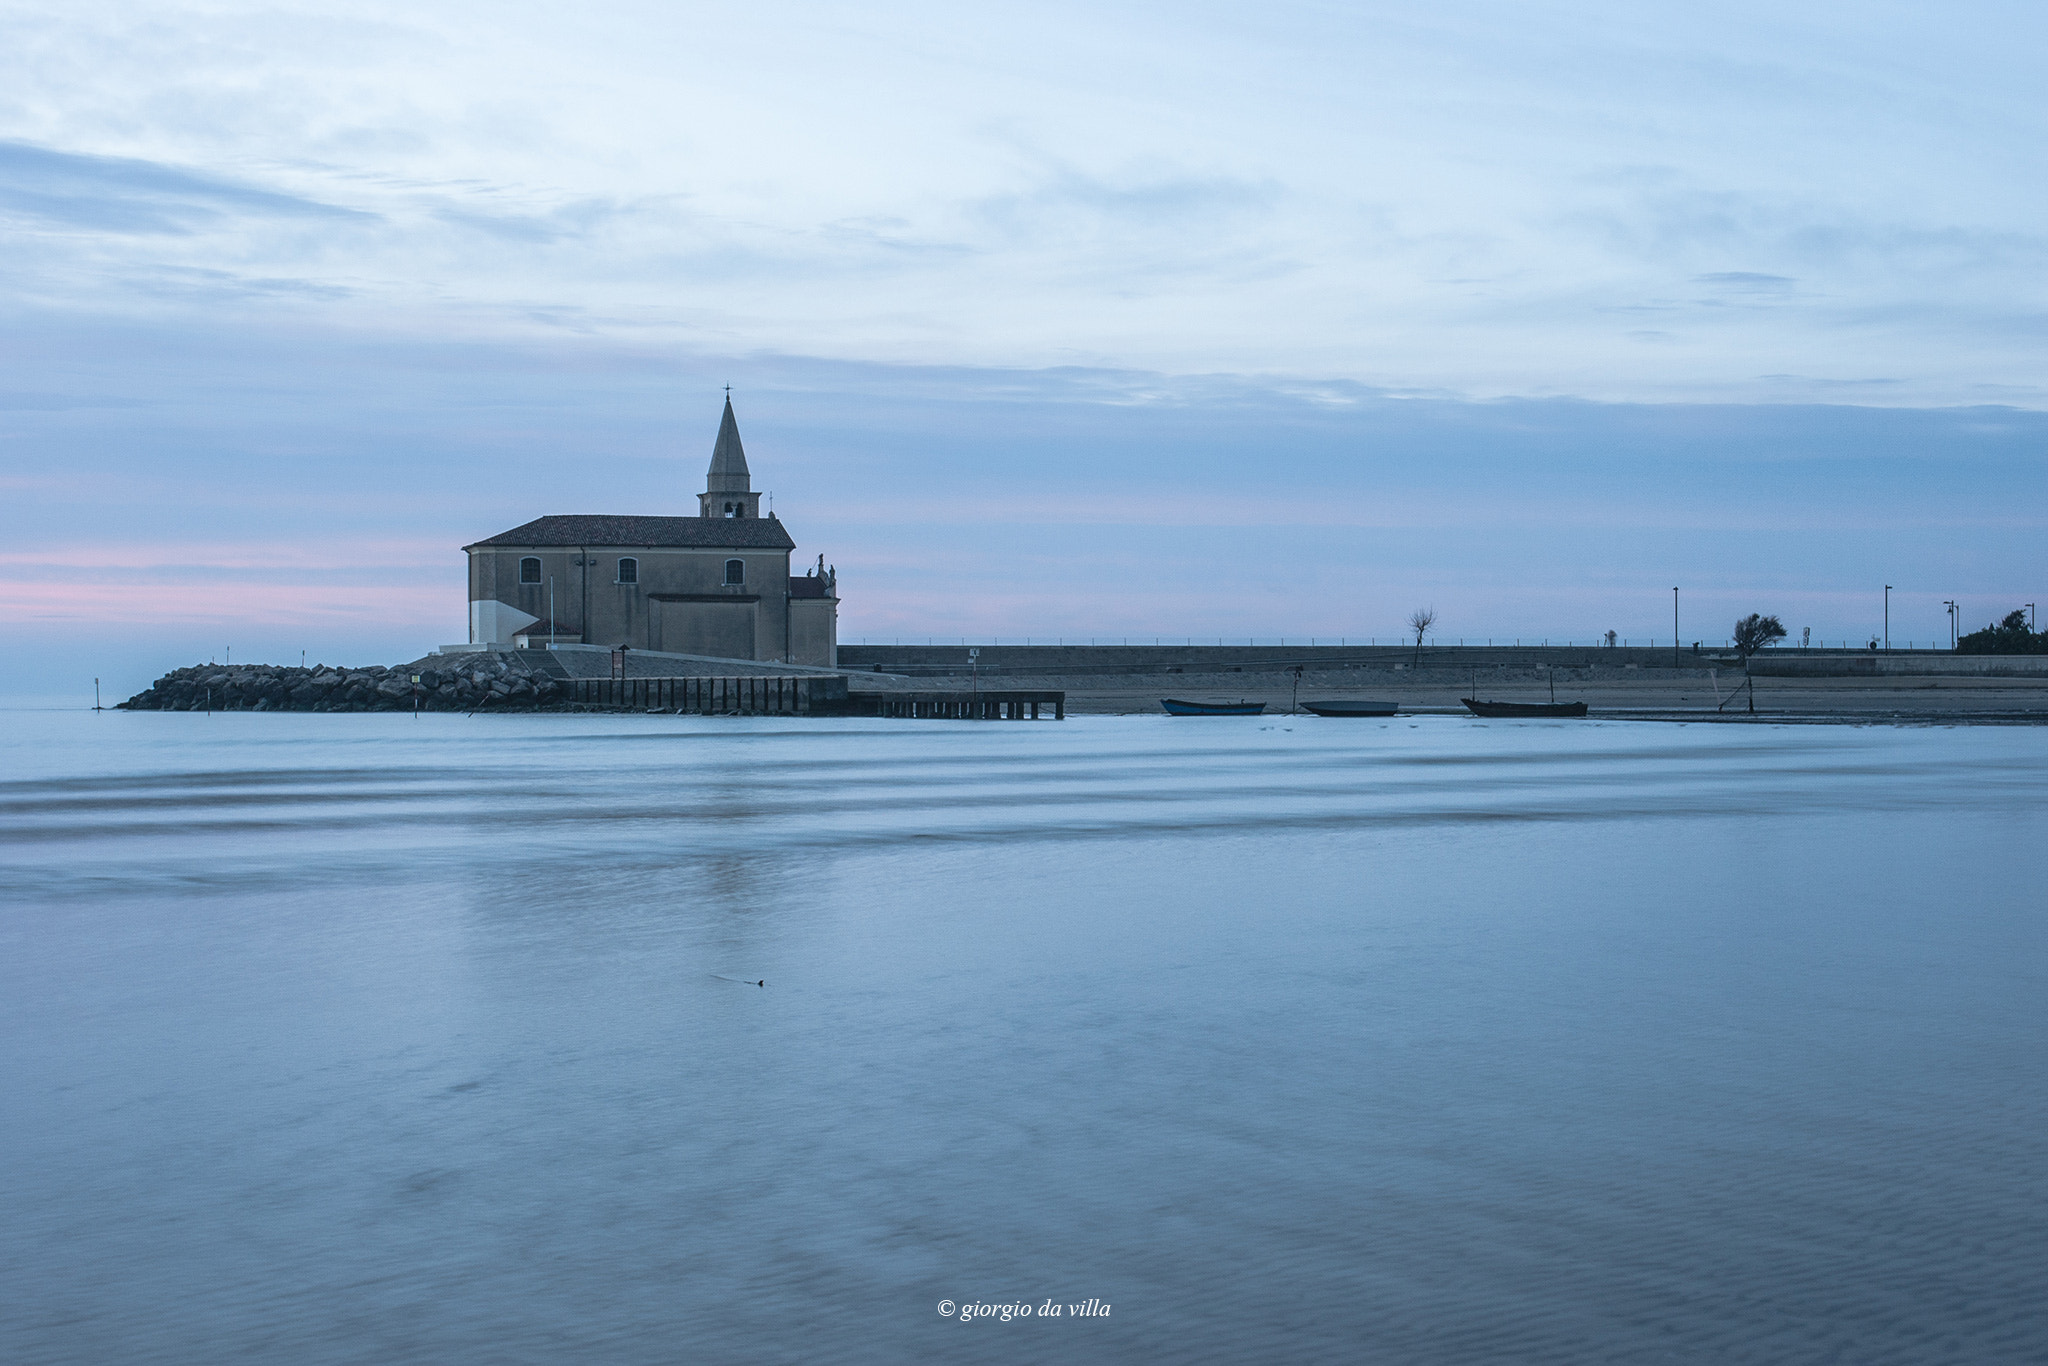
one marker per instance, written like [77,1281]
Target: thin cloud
[1172,201]
[125,196]
[564,222]
[1748,281]
[194,283]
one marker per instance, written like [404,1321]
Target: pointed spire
[728,458]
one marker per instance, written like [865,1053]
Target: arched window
[629,570]
[728,509]
[735,572]
[529,569]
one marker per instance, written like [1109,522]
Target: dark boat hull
[1175,707]
[1524,709]
[1350,708]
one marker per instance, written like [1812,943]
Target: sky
[1111,321]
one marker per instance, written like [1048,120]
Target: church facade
[714,584]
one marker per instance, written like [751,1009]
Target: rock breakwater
[492,682]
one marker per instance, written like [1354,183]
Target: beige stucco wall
[748,621]
[814,632]
[727,630]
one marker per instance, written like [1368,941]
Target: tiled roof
[718,533]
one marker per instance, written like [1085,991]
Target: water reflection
[360,1038]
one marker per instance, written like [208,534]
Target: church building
[715,584]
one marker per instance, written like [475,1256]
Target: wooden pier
[975,705]
[747,695]
[811,695]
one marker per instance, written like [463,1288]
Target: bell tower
[728,488]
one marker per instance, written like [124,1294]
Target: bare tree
[1420,620]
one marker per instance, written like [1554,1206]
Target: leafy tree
[2008,637]
[1755,633]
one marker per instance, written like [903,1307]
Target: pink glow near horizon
[437,610]
[273,605]
[187,556]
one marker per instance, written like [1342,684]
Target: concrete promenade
[914,660]
[1819,686]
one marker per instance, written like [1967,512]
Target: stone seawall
[468,683]
[499,681]
[930,661]
[1896,665]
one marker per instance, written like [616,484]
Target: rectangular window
[735,572]
[529,569]
[629,571]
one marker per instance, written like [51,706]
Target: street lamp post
[1887,618]
[1674,626]
[1950,608]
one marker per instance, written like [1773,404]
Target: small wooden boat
[1508,709]
[1175,707]
[1524,709]
[1351,708]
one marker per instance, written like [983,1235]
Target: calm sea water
[366,1039]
